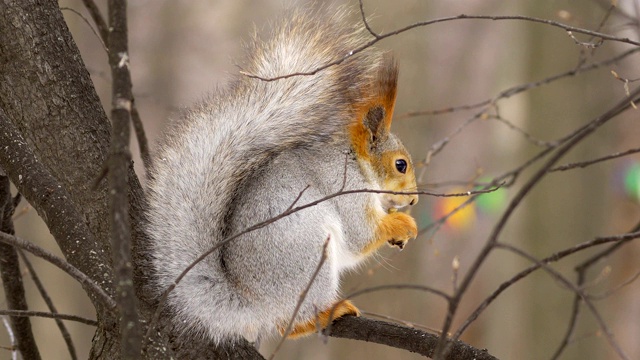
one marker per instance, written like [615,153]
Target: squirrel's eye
[401,165]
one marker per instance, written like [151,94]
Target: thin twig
[12,338]
[525,134]
[163,299]
[295,201]
[101,24]
[584,131]
[549,259]
[65,266]
[90,27]
[424,288]
[365,22]
[613,290]
[30,313]
[45,296]
[517,89]
[141,136]
[581,270]
[576,289]
[441,20]
[303,296]
[138,127]
[584,164]
[11,275]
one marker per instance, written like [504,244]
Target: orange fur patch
[340,309]
[393,226]
[381,92]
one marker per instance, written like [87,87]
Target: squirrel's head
[374,143]
[392,165]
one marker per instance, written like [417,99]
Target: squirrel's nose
[414,200]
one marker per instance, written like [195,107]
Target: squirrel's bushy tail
[207,156]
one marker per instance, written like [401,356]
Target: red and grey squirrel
[245,154]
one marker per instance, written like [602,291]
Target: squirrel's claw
[409,230]
[398,243]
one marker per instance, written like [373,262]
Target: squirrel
[257,149]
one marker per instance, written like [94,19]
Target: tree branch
[577,290]
[52,149]
[378,37]
[401,337]
[49,315]
[584,164]
[47,299]
[118,163]
[32,180]
[12,277]
[101,24]
[302,297]
[582,133]
[94,291]
[549,259]
[581,271]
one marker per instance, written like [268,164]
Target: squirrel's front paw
[404,228]
[395,229]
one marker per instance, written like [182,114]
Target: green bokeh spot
[491,203]
[632,181]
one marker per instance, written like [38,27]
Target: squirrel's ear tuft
[375,112]
[387,85]
[379,112]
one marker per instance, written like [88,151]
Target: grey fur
[242,156]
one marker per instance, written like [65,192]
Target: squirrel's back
[221,140]
[211,154]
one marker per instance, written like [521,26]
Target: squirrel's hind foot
[322,320]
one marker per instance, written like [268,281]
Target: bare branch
[406,323]
[45,296]
[424,288]
[64,220]
[580,134]
[12,338]
[556,275]
[365,22]
[118,165]
[78,275]
[581,271]
[12,277]
[401,337]
[584,164]
[303,296]
[517,89]
[100,39]
[101,24]
[524,273]
[24,313]
[612,291]
[141,136]
[380,37]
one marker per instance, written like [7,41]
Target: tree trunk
[61,137]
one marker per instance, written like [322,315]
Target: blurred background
[180,50]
